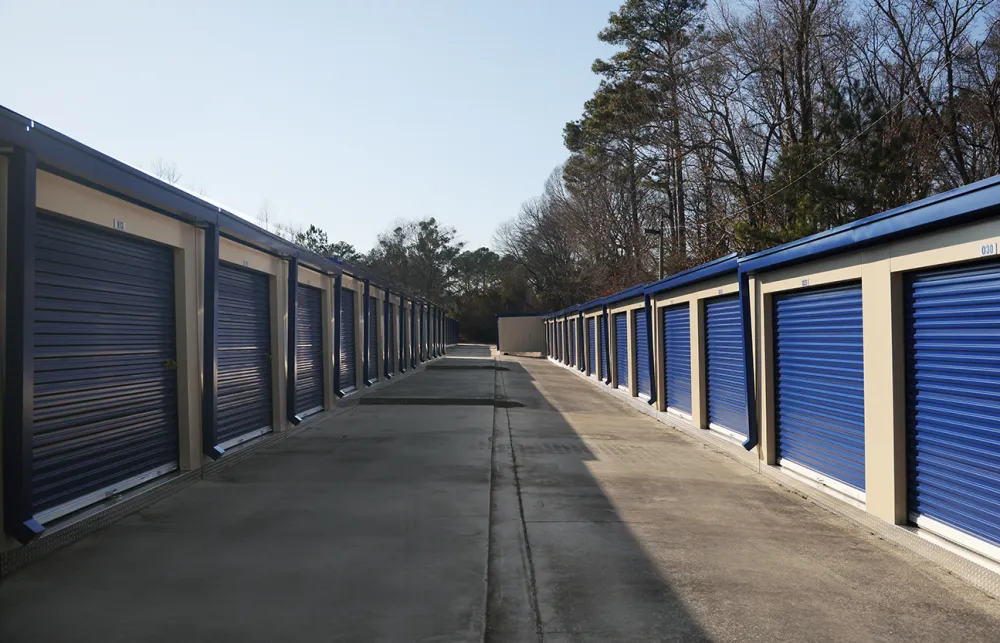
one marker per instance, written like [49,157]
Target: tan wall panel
[279,345]
[824,272]
[60,195]
[946,247]
[312,278]
[725,285]
[885,422]
[699,365]
[241,255]
[189,297]
[351,283]
[694,295]
[521,335]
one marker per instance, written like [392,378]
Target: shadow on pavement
[594,580]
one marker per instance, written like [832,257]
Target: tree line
[737,128]
[719,129]
[427,258]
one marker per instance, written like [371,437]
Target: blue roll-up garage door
[309,351]
[372,373]
[348,370]
[819,379]
[244,354]
[724,351]
[952,322]
[572,342]
[677,357]
[105,394]
[642,353]
[621,350]
[591,346]
[390,368]
[603,343]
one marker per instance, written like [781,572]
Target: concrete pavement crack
[532,587]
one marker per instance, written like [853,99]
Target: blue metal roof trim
[714,268]
[629,293]
[948,208]
[62,155]
[560,313]
[593,304]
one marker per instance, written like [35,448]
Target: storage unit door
[348,372]
[309,351]
[642,354]
[372,374]
[819,382]
[621,350]
[591,346]
[724,350]
[244,354]
[677,357]
[105,395]
[572,342]
[390,368]
[953,398]
[604,347]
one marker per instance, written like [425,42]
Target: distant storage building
[863,361]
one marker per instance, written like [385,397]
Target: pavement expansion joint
[440,401]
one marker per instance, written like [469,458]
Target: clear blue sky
[346,114]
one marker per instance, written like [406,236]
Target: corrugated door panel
[642,354]
[309,350]
[572,342]
[348,372]
[724,349]
[372,374]
[953,398]
[105,398]
[244,352]
[819,380]
[591,346]
[621,350]
[604,347]
[390,344]
[677,353]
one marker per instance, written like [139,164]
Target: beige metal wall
[694,296]
[628,307]
[62,196]
[358,287]
[880,270]
[240,255]
[521,335]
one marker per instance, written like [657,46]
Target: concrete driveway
[562,516]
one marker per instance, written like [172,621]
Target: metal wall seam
[18,511]
[210,324]
[292,315]
[365,323]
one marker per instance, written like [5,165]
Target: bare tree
[166,171]
[265,214]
